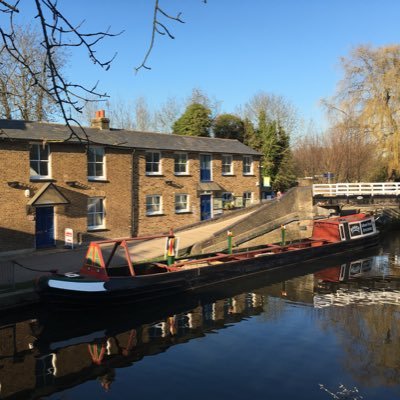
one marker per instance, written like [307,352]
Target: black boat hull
[120,290]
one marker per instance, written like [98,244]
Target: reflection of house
[41,374]
[123,183]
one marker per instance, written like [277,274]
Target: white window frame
[211,166]
[248,160]
[95,162]
[245,197]
[159,172]
[228,156]
[39,161]
[157,212]
[186,172]
[102,213]
[183,210]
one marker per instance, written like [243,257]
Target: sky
[230,49]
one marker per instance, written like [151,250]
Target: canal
[318,331]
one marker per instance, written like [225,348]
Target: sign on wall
[69,238]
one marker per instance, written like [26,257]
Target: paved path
[71,260]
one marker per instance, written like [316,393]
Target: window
[39,161]
[247,198]
[205,167]
[153,163]
[153,205]
[181,164]
[227,166]
[247,165]
[96,164]
[181,203]
[227,200]
[95,215]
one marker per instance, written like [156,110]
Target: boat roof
[347,218]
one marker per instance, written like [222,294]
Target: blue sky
[233,49]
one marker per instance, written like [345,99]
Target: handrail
[357,189]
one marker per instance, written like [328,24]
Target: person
[278,194]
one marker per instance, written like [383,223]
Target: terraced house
[118,183]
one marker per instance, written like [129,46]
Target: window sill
[182,174]
[155,215]
[100,180]
[97,230]
[228,175]
[159,175]
[249,174]
[42,179]
[183,212]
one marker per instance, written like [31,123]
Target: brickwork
[168,184]
[68,165]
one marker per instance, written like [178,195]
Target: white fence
[357,189]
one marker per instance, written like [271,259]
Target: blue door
[205,206]
[44,227]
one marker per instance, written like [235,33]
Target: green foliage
[229,126]
[277,157]
[195,121]
[251,136]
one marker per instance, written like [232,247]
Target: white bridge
[357,189]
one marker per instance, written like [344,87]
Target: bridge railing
[357,189]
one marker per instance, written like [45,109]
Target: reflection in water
[50,352]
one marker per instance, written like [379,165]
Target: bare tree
[57,31]
[369,93]
[20,97]
[277,108]
[168,113]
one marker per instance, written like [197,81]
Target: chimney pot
[100,121]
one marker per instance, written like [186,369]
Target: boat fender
[71,275]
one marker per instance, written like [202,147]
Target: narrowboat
[109,275]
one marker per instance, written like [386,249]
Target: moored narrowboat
[109,275]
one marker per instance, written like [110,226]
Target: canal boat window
[227,165]
[96,163]
[39,157]
[367,227]
[355,229]
[342,234]
[181,166]
[96,213]
[153,204]
[247,165]
[181,203]
[153,163]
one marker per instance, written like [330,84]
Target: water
[321,331]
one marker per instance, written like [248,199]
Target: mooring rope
[53,271]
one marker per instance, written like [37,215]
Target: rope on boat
[53,271]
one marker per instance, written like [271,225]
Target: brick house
[123,183]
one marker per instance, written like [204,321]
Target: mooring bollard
[283,232]
[229,237]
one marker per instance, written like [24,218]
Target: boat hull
[119,290]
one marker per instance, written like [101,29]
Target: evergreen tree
[251,137]
[195,121]
[277,160]
[228,126]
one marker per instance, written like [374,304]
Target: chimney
[100,121]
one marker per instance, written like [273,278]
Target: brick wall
[68,163]
[168,185]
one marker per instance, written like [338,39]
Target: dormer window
[96,163]
[39,157]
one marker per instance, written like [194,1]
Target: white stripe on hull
[77,286]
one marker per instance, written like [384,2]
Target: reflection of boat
[100,280]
